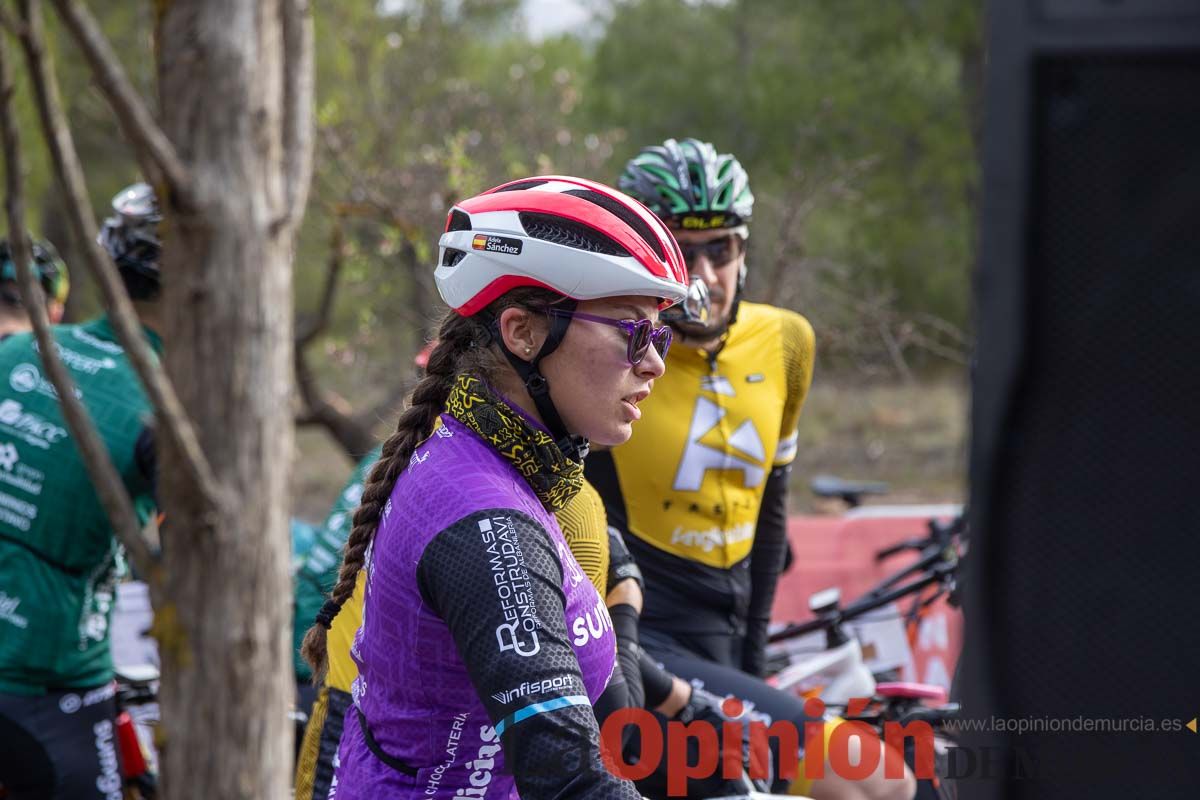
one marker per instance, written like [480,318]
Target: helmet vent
[557,230]
[459,221]
[452,256]
[624,214]
[520,186]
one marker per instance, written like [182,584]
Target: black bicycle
[931,577]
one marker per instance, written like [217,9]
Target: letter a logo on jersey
[744,450]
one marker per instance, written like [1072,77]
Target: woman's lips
[633,400]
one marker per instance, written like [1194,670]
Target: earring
[528,350]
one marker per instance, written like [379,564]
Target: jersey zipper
[730,577]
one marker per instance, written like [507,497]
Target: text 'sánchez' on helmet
[575,237]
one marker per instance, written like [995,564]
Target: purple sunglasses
[639,333]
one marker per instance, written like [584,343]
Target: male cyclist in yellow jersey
[700,490]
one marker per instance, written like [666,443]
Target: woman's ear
[522,331]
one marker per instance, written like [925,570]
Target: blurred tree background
[857,121]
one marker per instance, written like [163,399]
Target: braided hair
[458,351]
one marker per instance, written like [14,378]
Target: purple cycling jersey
[483,645]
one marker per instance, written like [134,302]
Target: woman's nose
[651,365]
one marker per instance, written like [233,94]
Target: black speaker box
[1082,658]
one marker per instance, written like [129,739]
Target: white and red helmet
[576,237]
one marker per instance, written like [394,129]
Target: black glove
[754,648]
[620,563]
[707,707]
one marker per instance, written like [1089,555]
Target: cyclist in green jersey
[48,269]
[59,559]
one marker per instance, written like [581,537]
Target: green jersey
[318,571]
[59,560]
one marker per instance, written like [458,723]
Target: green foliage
[853,118]
[858,103]
[107,160]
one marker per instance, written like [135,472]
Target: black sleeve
[766,562]
[625,686]
[656,681]
[494,577]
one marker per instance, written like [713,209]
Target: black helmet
[49,268]
[131,235]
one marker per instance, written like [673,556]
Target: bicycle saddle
[914,691]
[833,486]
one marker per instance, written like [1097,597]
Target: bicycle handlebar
[941,534]
[930,557]
[937,574]
[900,547]
[934,716]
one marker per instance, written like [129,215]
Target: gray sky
[543,17]
[549,17]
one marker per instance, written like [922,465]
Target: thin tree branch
[175,424]
[374,204]
[316,325]
[393,400]
[894,351]
[297,24]
[419,298]
[101,472]
[319,406]
[330,411]
[10,24]
[155,153]
[942,326]
[811,191]
[939,349]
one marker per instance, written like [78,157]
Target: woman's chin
[612,435]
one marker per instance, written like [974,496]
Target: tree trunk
[223,66]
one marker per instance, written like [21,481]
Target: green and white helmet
[690,185]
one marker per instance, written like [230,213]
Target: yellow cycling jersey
[342,669]
[692,476]
[585,529]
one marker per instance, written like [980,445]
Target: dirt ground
[913,436]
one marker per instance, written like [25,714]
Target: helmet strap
[572,446]
[686,330]
[737,296]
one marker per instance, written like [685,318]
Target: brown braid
[454,354]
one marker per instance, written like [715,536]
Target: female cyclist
[483,645]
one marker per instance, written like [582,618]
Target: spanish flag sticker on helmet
[496,244]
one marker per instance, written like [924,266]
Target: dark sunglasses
[719,251]
[639,333]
